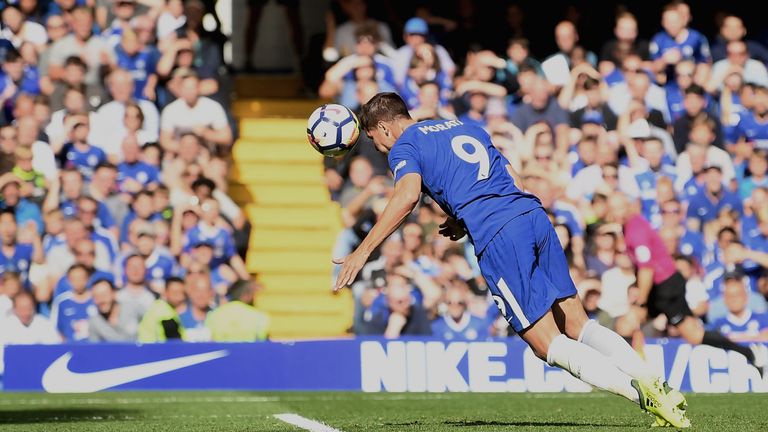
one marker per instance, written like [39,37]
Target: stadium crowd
[115,223]
[675,127]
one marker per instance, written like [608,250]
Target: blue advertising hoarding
[370,365]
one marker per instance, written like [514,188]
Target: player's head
[384,118]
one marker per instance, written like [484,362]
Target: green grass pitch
[250,411]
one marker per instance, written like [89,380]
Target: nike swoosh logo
[58,378]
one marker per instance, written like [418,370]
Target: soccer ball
[333,129]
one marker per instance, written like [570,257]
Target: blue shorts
[526,270]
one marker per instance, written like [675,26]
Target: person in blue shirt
[78,152]
[756,175]
[678,42]
[18,254]
[209,230]
[142,64]
[25,211]
[518,250]
[457,322]
[741,324]
[713,198]
[133,174]
[142,209]
[691,243]
[72,310]
[85,256]
[753,123]
[160,265]
[199,305]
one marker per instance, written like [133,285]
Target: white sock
[616,349]
[588,365]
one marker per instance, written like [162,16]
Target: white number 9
[479,156]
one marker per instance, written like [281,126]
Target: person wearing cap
[415,34]
[238,320]
[713,198]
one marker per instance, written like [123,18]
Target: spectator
[755,176]
[19,30]
[732,29]
[140,62]
[625,42]
[26,213]
[678,42]
[238,320]
[134,174]
[112,323]
[415,34]
[741,324]
[567,39]
[192,113]
[19,249]
[24,326]
[401,316]
[457,322]
[79,153]
[161,321]
[543,107]
[737,60]
[72,309]
[714,198]
[135,297]
[199,307]
[112,115]
[344,34]
[74,77]
[753,125]
[99,56]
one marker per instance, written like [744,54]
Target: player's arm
[404,200]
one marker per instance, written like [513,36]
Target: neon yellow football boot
[655,400]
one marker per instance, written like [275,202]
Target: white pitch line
[305,423]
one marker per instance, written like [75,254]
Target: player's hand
[452,229]
[350,267]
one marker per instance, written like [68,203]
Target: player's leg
[580,360]
[578,326]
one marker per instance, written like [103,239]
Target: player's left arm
[404,200]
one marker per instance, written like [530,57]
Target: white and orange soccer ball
[333,129]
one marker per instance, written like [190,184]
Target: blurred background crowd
[677,123]
[115,136]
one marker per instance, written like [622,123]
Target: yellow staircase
[277,178]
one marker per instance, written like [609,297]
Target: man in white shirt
[111,115]
[737,60]
[19,30]
[24,326]
[191,112]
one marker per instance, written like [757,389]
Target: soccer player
[662,287]
[516,245]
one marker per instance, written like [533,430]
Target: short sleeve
[653,48]
[218,116]
[404,159]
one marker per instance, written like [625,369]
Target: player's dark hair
[382,107]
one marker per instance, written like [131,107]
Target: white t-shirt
[12,332]
[179,118]
[43,160]
[110,130]
[31,32]
[167,24]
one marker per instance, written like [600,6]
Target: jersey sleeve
[404,159]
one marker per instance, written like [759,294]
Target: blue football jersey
[464,173]
[84,160]
[749,326]
[469,328]
[752,129]
[695,46]
[71,316]
[19,262]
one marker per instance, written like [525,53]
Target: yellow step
[275,153]
[290,196]
[289,326]
[277,128]
[292,239]
[298,262]
[319,218]
[303,304]
[268,86]
[257,174]
[290,282]
[293,108]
